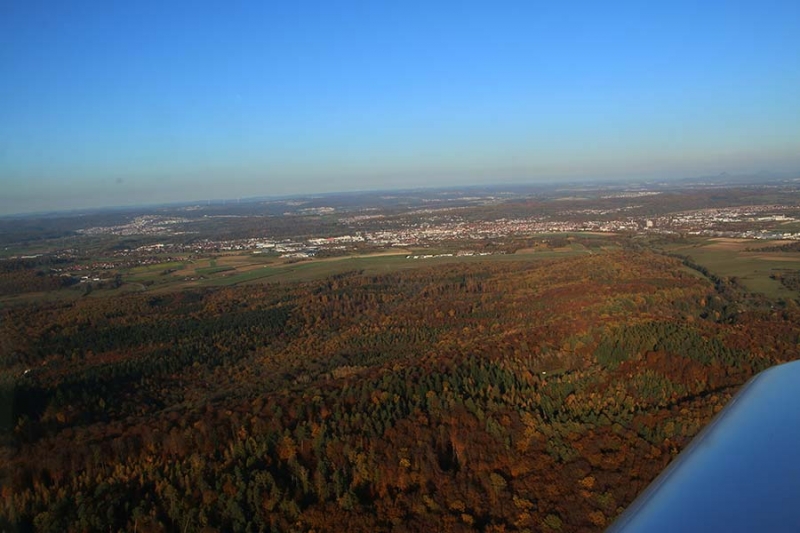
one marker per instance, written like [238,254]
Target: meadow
[741,259]
[237,269]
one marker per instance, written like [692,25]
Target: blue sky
[117,103]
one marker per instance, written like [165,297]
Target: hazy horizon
[128,104]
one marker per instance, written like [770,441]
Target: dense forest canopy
[523,395]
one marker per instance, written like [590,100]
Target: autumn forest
[498,396]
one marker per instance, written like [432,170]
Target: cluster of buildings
[142,225]
[429,226]
[445,225]
[747,222]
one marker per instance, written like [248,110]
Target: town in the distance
[229,242]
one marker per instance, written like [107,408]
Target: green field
[213,270]
[731,259]
[243,269]
[376,264]
[157,268]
